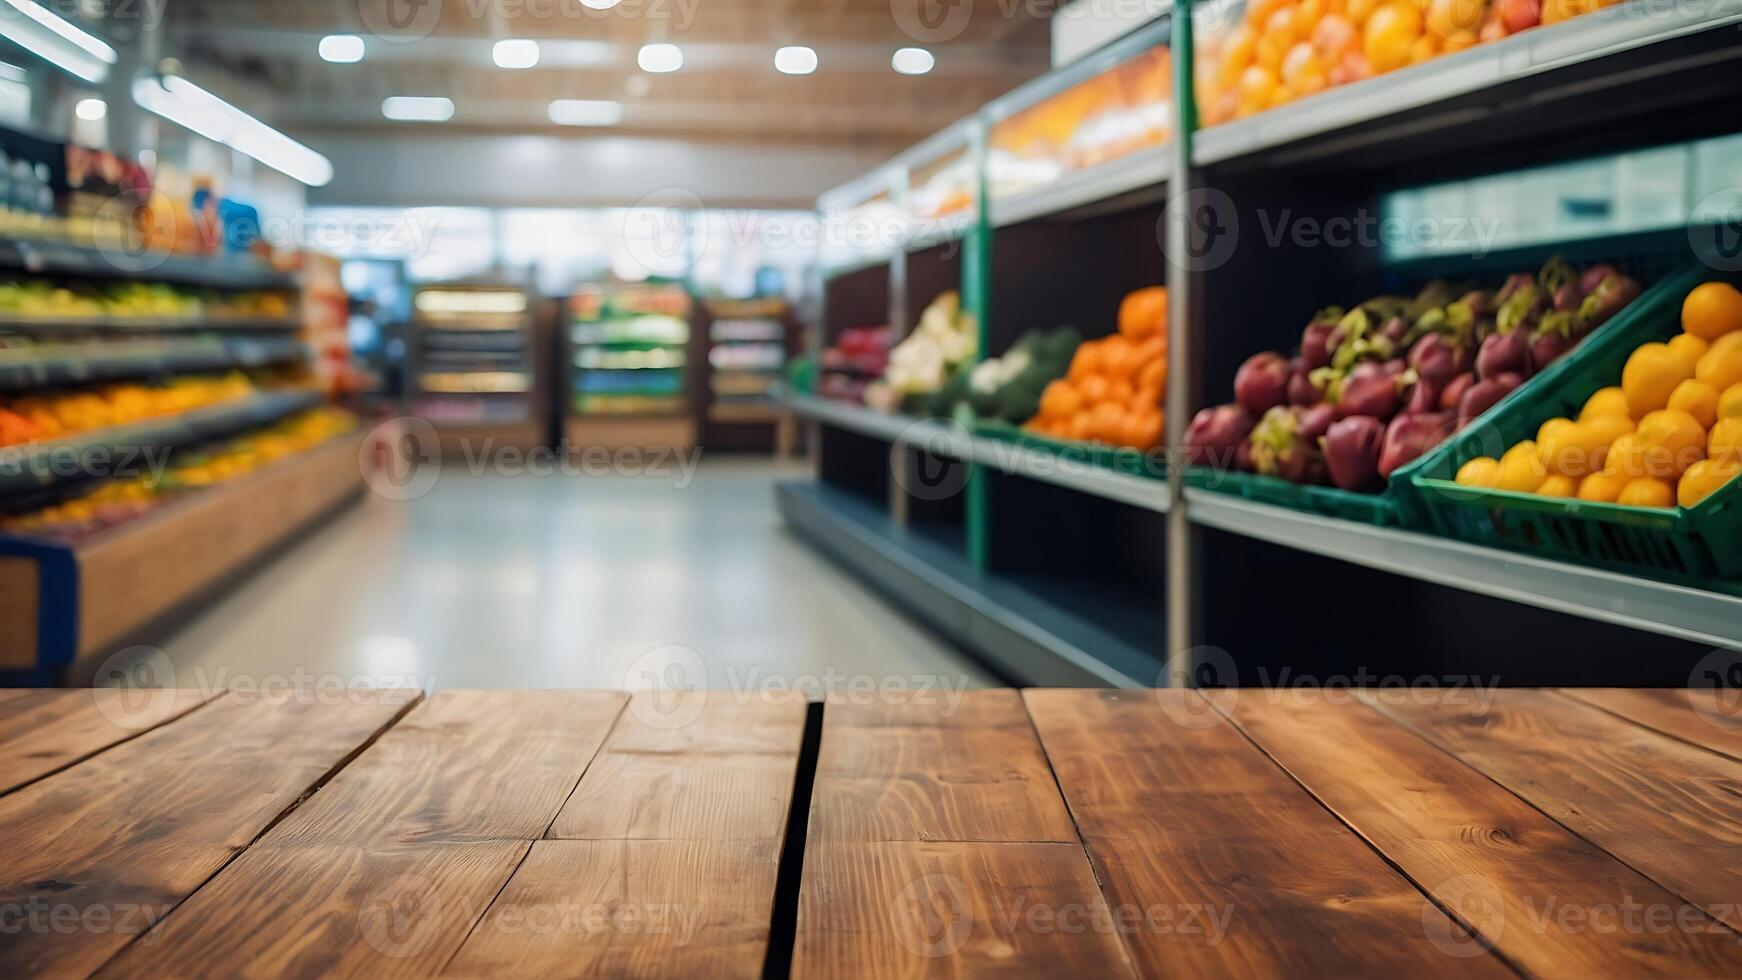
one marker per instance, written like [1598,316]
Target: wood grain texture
[20,606]
[906,909]
[1666,808]
[141,826]
[1539,893]
[934,776]
[629,909]
[43,731]
[933,708]
[465,765]
[375,910]
[1219,862]
[1709,718]
[703,766]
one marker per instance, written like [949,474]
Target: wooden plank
[131,833]
[44,731]
[1544,897]
[710,766]
[1664,807]
[906,909]
[20,606]
[374,910]
[978,777]
[146,568]
[466,765]
[1219,863]
[1709,718]
[938,708]
[644,908]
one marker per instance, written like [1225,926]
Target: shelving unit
[49,258]
[748,343]
[1263,585]
[632,365]
[473,365]
[56,364]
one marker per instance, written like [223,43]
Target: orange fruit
[1647,491]
[1425,48]
[1730,402]
[1690,347]
[1258,86]
[1059,401]
[1483,471]
[1704,477]
[1602,488]
[1625,459]
[1725,440]
[1094,389]
[1334,35]
[1154,375]
[1107,422]
[1521,468]
[1086,361]
[1360,11]
[1120,391]
[1670,441]
[1608,401]
[1652,373]
[1272,48]
[1447,18]
[1558,485]
[1721,366]
[1301,62]
[1390,35]
[1698,399]
[1712,310]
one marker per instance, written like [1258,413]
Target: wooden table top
[1041,833]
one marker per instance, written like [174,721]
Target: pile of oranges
[1116,386]
[42,417]
[1284,50]
[1669,434]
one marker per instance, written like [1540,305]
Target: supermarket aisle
[564,582]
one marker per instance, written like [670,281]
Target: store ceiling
[728,88]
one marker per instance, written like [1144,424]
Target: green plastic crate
[1688,546]
[1384,509]
[1130,462]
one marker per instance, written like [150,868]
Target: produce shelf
[1514,75]
[854,418]
[1025,637]
[1623,600]
[148,324]
[46,464]
[57,365]
[1115,184]
[84,262]
[88,598]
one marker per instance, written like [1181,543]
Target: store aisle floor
[583,581]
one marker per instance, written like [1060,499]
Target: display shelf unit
[632,366]
[1247,585]
[66,605]
[473,365]
[60,364]
[747,345]
[86,262]
[55,326]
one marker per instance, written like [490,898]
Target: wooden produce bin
[61,604]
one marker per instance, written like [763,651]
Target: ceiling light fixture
[515,53]
[912,61]
[91,110]
[585,112]
[54,39]
[660,58]
[342,49]
[795,60]
[195,109]
[418,108]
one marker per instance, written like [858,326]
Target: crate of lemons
[1670,434]
[41,418]
[119,501]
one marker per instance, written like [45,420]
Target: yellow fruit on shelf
[1521,468]
[1647,491]
[1689,347]
[1725,440]
[1558,485]
[1483,471]
[1721,366]
[1712,310]
[1390,34]
[1703,478]
[1651,376]
[1730,402]
[1607,401]
[1669,442]
[1603,488]
[1697,398]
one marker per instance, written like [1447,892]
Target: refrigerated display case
[474,364]
[630,366]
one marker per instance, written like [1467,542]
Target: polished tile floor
[553,581]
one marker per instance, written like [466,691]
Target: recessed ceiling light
[91,109]
[795,60]
[516,53]
[660,58]
[418,108]
[600,4]
[585,112]
[912,61]
[342,49]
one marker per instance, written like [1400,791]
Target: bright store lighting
[193,108]
[342,49]
[91,110]
[418,108]
[600,4]
[515,53]
[660,58]
[54,39]
[585,112]
[795,60]
[912,61]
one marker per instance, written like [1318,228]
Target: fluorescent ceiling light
[518,53]
[418,108]
[660,58]
[91,109]
[585,112]
[795,60]
[912,61]
[600,4]
[193,108]
[55,40]
[342,49]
